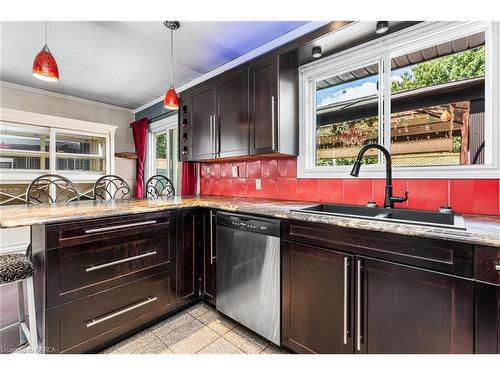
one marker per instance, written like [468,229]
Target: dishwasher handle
[254,224]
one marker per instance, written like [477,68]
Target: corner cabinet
[249,110]
[209,257]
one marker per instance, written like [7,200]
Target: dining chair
[111,187]
[51,188]
[159,186]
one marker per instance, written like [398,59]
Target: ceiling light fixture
[171,100]
[45,65]
[316,52]
[382,27]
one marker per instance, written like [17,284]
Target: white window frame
[56,125]
[160,126]
[417,37]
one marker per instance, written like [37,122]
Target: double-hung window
[429,94]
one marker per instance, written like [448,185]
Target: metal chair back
[159,186]
[51,188]
[111,187]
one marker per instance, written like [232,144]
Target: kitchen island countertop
[482,230]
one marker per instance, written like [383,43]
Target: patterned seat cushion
[15,267]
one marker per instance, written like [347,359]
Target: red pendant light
[171,100]
[45,65]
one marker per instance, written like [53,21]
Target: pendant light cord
[45,32]
[172,57]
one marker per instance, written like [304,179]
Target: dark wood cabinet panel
[263,106]
[78,271]
[408,310]
[91,324]
[487,318]
[209,268]
[488,264]
[439,255]
[118,228]
[232,114]
[203,123]
[188,256]
[317,304]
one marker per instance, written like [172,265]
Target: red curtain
[140,130]
[188,186]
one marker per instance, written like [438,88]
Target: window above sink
[425,93]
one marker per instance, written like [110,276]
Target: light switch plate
[234,171]
[207,170]
[258,184]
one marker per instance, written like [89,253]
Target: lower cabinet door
[188,256]
[402,309]
[317,288]
[95,322]
[487,318]
[209,269]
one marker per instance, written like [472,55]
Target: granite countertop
[483,230]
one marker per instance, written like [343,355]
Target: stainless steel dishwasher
[248,272]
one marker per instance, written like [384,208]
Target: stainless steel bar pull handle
[346,299]
[358,306]
[497,267]
[103,318]
[212,238]
[122,226]
[273,130]
[104,265]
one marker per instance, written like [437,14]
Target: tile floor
[197,330]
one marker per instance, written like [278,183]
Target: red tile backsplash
[279,181]
[427,194]
[358,191]
[475,196]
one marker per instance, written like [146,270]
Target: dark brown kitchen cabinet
[263,115]
[274,105]
[232,114]
[188,256]
[401,309]
[101,280]
[209,267]
[203,123]
[487,318]
[317,303]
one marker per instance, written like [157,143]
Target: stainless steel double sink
[405,216]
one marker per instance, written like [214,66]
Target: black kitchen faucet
[389,198]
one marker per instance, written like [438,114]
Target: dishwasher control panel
[270,227]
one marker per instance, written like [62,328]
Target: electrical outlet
[235,171]
[207,170]
[258,184]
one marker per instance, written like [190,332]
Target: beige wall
[40,101]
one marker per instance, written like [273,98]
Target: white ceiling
[127,63]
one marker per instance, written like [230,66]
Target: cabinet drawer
[78,271]
[92,323]
[439,255]
[118,227]
[488,264]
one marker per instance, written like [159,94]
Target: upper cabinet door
[203,124]
[263,107]
[232,114]
[406,310]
